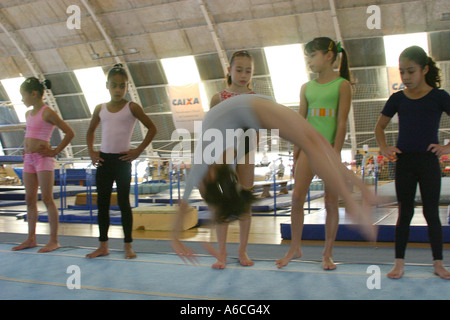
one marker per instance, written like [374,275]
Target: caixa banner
[186,106]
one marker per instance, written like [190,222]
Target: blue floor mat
[33,276]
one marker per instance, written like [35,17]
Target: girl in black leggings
[113,162]
[114,169]
[417,153]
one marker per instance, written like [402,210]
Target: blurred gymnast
[218,183]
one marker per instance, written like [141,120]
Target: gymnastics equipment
[161,218]
[63,186]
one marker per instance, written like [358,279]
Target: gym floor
[158,274]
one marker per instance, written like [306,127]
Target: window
[12,88]
[288,71]
[93,84]
[395,44]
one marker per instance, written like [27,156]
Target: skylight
[395,44]
[288,71]
[12,88]
[93,84]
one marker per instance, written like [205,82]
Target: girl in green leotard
[325,103]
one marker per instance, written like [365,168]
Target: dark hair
[33,84]
[242,53]
[118,69]
[326,44]
[225,193]
[419,56]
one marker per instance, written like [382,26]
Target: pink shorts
[35,162]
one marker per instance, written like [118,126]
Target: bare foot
[51,246]
[328,263]
[101,251]
[129,252]
[440,270]
[220,256]
[29,243]
[219,264]
[397,271]
[292,254]
[245,260]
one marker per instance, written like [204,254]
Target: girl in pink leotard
[239,80]
[39,161]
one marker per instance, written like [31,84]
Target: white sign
[186,106]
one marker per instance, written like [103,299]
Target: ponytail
[326,44]
[344,69]
[419,56]
[33,84]
[432,77]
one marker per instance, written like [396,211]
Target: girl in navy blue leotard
[419,108]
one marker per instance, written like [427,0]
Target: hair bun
[47,84]
[118,65]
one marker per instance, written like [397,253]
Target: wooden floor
[264,230]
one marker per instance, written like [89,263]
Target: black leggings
[114,169]
[422,168]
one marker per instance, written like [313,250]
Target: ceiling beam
[215,36]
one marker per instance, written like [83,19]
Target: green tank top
[323,103]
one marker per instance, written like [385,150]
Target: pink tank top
[117,129]
[225,94]
[38,128]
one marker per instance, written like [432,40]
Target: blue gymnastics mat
[81,216]
[19,194]
[386,192]
[260,205]
[163,276]
[268,204]
[11,203]
[384,218]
